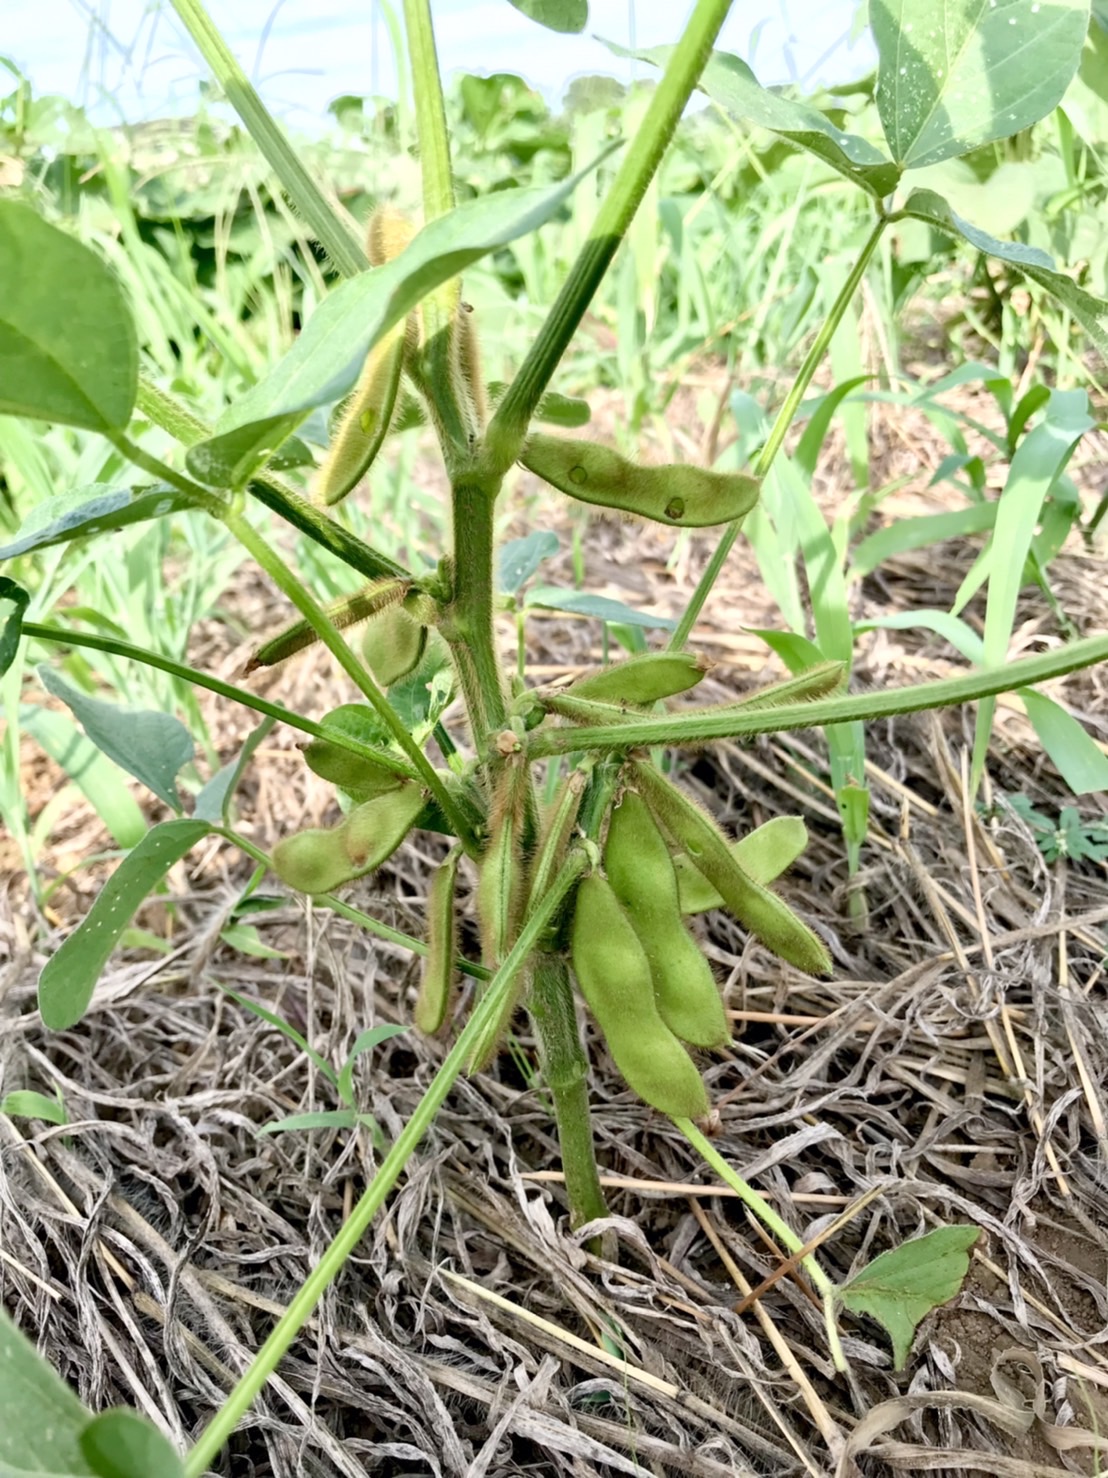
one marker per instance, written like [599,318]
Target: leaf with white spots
[150,746]
[41,1419]
[69,977]
[1091,312]
[955,74]
[91,510]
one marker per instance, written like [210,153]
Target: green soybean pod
[393,644]
[682,496]
[614,975]
[761,911]
[313,860]
[815,682]
[643,679]
[763,854]
[372,831]
[501,875]
[442,946]
[342,614]
[556,829]
[358,775]
[640,870]
[364,420]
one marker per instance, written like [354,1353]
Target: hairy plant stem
[333,229]
[200,679]
[730,723]
[300,1310]
[274,566]
[566,1072]
[165,411]
[468,619]
[789,407]
[201,497]
[513,415]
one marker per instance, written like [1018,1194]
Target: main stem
[791,404]
[566,1072]
[469,618]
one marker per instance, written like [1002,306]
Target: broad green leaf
[520,558]
[578,603]
[214,800]
[329,354]
[12,628]
[1081,764]
[25,1103]
[1091,312]
[90,770]
[955,74]
[246,939]
[900,1287]
[150,746]
[67,345]
[567,16]
[122,1444]
[364,1042]
[69,977]
[728,81]
[424,695]
[91,510]
[41,1419]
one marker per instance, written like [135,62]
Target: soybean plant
[595,887]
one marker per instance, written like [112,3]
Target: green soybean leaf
[728,81]
[69,977]
[67,344]
[365,1042]
[1091,312]
[25,1103]
[566,16]
[41,1419]
[578,603]
[900,1287]
[956,75]
[150,746]
[122,1444]
[12,628]
[90,770]
[92,510]
[1077,759]
[330,352]
[520,558]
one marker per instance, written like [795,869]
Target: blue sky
[132,57]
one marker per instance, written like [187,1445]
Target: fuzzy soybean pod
[643,679]
[641,873]
[360,776]
[501,874]
[393,644]
[442,946]
[364,420]
[614,975]
[762,912]
[320,859]
[764,854]
[684,497]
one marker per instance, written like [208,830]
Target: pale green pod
[501,875]
[555,832]
[640,870]
[764,854]
[348,611]
[679,495]
[762,912]
[313,860]
[372,831]
[614,975]
[437,980]
[393,644]
[642,679]
[359,776]
[820,681]
[364,421]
